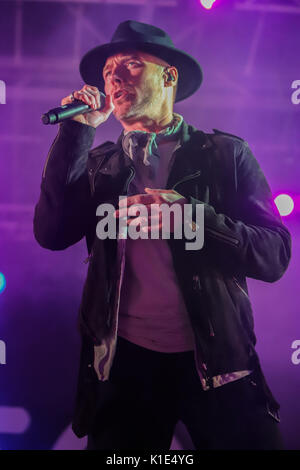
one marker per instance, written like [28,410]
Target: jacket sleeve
[64,209]
[254,244]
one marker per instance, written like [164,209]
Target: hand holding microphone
[94,109]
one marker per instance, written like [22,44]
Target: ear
[171,75]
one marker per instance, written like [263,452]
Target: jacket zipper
[115,305]
[94,171]
[110,307]
[240,287]
[197,286]
[203,365]
[186,178]
[196,282]
[230,240]
[211,330]
[129,179]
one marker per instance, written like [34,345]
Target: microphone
[67,111]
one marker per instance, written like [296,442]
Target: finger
[142,221]
[144,199]
[91,89]
[131,211]
[91,101]
[68,99]
[152,221]
[121,213]
[149,190]
[152,228]
[168,195]
[80,95]
[95,92]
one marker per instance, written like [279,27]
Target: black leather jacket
[243,237]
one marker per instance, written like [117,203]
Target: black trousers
[152,391]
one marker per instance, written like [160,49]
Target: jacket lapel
[191,159]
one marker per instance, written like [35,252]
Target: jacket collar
[186,133]
[187,158]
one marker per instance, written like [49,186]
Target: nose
[116,77]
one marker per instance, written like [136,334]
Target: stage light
[285,204]
[2,282]
[207,3]
[14,420]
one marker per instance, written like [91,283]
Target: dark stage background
[249,51]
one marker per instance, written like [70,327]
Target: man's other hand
[152,201]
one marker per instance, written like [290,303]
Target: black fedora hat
[146,38]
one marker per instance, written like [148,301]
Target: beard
[143,103]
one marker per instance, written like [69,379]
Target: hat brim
[189,71]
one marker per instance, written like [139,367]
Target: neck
[148,124]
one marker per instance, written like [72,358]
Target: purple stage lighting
[2,282]
[285,204]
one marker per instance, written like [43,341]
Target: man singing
[167,332]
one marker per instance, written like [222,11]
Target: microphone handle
[67,111]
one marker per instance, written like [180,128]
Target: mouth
[119,95]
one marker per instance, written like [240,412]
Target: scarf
[141,145]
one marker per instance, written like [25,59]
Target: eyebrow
[124,59]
